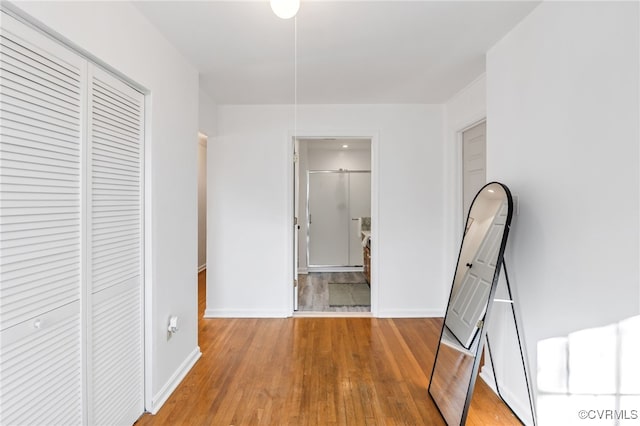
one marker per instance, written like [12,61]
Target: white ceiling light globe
[285,9]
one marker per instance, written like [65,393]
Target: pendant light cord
[295,77]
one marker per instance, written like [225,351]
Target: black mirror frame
[483,330]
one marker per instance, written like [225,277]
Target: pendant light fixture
[285,9]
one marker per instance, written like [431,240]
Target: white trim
[410,313]
[202,267]
[149,271]
[516,404]
[303,271]
[322,314]
[176,378]
[486,374]
[460,92]
[522,409]
[246,313]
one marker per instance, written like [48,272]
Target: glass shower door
[328,218]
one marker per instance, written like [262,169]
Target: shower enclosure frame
[308,217]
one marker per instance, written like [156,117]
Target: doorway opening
[332,217]
[202,222]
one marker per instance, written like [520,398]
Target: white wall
[116,34]
[463,110]
[207,114]
[335,159]
[250,176]
[563,129]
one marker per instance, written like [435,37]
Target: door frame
[375,242]
[460,136]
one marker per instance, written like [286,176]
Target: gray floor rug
[349,294]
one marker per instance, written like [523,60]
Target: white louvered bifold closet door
[41,100]
[71,234]
[116,224]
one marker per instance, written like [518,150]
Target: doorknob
[355,218]
[469,265]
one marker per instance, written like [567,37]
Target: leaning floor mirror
[476,291]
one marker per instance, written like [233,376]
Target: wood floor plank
[315,371]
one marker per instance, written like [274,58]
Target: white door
[359,206]
[115,353]
[42,94]
[469,301]
[474,164]
[328,219]
[71,226]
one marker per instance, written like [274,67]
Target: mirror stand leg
[523,355]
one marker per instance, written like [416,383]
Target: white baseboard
[510,398]
[317,314]
[486,374]
[176,378]
[516,403]
[202,268]
[410,313]
[245,313]
[303,271]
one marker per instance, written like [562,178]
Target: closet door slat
[116,200]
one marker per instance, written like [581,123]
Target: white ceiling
[347,51]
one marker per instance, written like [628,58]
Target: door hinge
[295,220]
[479,325]
[296,157]
[295,283]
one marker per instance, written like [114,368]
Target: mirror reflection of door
[474,164]
[469,297]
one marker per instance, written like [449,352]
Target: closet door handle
[355,218]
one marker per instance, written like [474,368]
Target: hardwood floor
[313,295]
[315,371]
